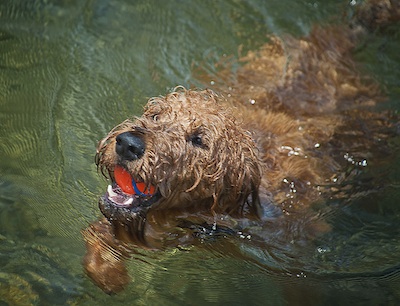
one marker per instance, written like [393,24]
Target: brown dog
[195,157]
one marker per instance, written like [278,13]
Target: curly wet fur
[215,159]
[223,170]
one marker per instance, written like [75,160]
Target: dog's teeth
[128,201]
[118,199]
[111,192]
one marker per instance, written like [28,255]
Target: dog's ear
[239,193]
[247,189]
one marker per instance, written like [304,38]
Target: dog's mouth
[127,193]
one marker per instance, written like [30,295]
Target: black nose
[129,146]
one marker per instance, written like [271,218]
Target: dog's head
[186,152]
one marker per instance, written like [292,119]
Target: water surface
[71,70]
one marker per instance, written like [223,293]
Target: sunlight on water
[71,70]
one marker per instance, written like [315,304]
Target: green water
[71,70]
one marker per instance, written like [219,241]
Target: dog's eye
[197,141]
[152,116]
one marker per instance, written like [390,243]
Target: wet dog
[269,137]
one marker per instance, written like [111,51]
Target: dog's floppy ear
[242,198]
[238,194]
[247,191]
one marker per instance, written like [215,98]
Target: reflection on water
[70,70]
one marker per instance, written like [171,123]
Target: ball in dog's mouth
[125,192]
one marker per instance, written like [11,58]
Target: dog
[271,137]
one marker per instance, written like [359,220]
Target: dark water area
[71,70]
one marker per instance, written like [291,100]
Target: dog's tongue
[128,185]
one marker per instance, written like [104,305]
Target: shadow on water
[71,70]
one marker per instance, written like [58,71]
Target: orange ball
[125,182]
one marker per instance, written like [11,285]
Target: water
[71,70]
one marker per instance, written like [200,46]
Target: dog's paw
[104,264]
